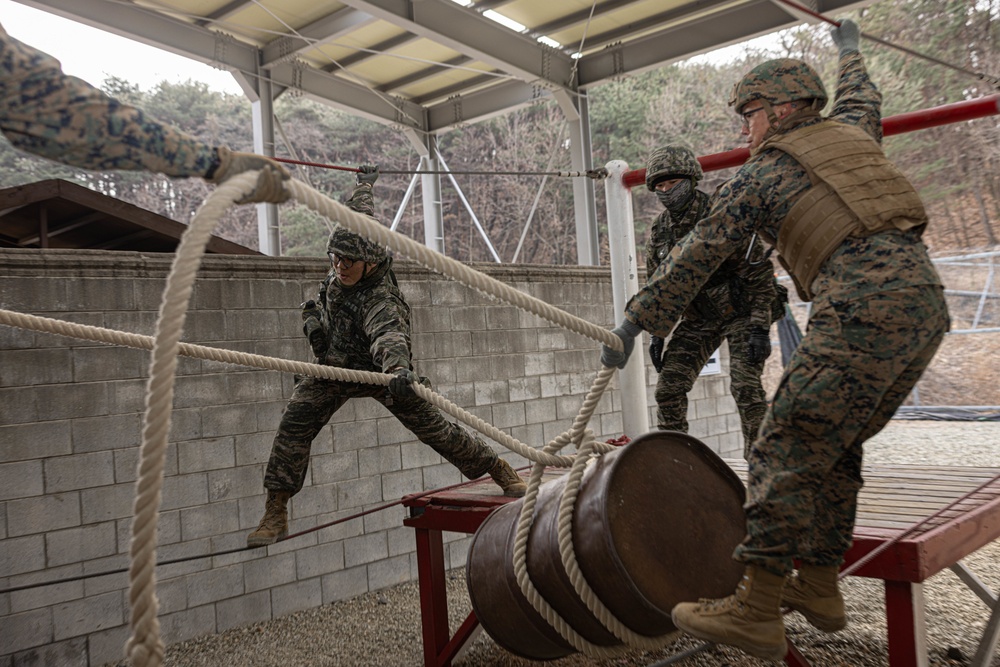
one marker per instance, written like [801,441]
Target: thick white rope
[145,647]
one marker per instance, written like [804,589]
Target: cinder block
[106,432]
[450,293]
[429,320]
[356,435]
[200,390]
[69,401]
[232,419]
[265,573]
[440,371]
[208,454]
[74,545]
[187,624]
[550,340]
[359,492]
[234,483]
[503,317]
[389,518]
[35,367]
[555,385]
[79,471]
[389,572]
[401,541]
[395,485]
[418,455]
[462,394]
[539,410]
[26,630]
[184,491]
[443,474]
[42,513]
[507,415]
[253,448]
[493,342]
[296,597]
[314,500]
[43,596]
[107,646]
[209,520]
[468,318]
[219,583]
[92,614]
[21,480]
[457,552]
[237,294]
[39,440]
[319,560]
[18,406]
[506,366]
[376,461]
[491,392]
[345,584]
[127,462]
[391,432]
[98,364]
[126,396]
[365,549]
[452,344]
[576,361]
[530,435]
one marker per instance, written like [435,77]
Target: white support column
[574,107]
[624,284]
[263,143]
[430,185]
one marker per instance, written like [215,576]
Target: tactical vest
[855,191]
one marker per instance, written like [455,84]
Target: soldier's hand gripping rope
[626,331]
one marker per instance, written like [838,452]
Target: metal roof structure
[425,66]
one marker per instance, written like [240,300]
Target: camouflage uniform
[878,317]
[739,296]
[367,327]
[63,118]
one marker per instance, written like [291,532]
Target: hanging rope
[992,80]
[595,174]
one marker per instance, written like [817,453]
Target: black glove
[846,36]
[656,352]
[627,331]
[312,327]
[368,173]
[401,386]
[758,345]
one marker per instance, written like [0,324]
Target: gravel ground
[382,629]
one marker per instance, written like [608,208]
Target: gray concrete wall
[71,417]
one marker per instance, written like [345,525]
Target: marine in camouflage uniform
[63,118]
[879,315]
[362,323]
[737,304]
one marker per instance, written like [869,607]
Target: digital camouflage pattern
[667,161]
[878,316]
[737,297]
[367,327]
[345,243]
[63,118]
[779,81]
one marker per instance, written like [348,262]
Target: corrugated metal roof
[429,64]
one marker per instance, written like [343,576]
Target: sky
[93,55]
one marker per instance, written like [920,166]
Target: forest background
[955,167]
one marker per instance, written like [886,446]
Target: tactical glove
[401,386]
[846,36]
[368,173]
[656,352]
[312,327]
[627,331]
[758,345]
[269,188]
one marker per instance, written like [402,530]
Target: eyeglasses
[343,261]
[747,115]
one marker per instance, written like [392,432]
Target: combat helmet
[347,244]
[672,162]
[779,81]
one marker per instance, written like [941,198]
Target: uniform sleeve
[858,101]
[658,305]
[59,117]
[759,283]
[362,200]
[389,335]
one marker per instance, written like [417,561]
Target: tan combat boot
[507,479]
[274,525]
[813,593]
[749,619]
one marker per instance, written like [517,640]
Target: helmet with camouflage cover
[672,162]
[347,244]
[779,81]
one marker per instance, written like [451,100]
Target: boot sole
[757,650]
[264,541]
[821,623]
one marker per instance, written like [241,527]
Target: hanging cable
[596,174]
[992,80]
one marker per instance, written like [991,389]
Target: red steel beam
[904,122]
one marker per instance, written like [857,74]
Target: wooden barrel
[655,524]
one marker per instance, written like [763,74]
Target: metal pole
[624,285]
[468,207]
[402,205]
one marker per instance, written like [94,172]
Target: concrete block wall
[71,418]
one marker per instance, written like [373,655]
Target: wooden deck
[893,516]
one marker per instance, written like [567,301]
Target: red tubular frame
[905,122]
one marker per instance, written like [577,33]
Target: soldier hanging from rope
[63,118]
[362,322]
[847,225]
[737,304]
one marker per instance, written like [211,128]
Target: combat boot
[813,593]
[749,619]
[507,479]
[274,525]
